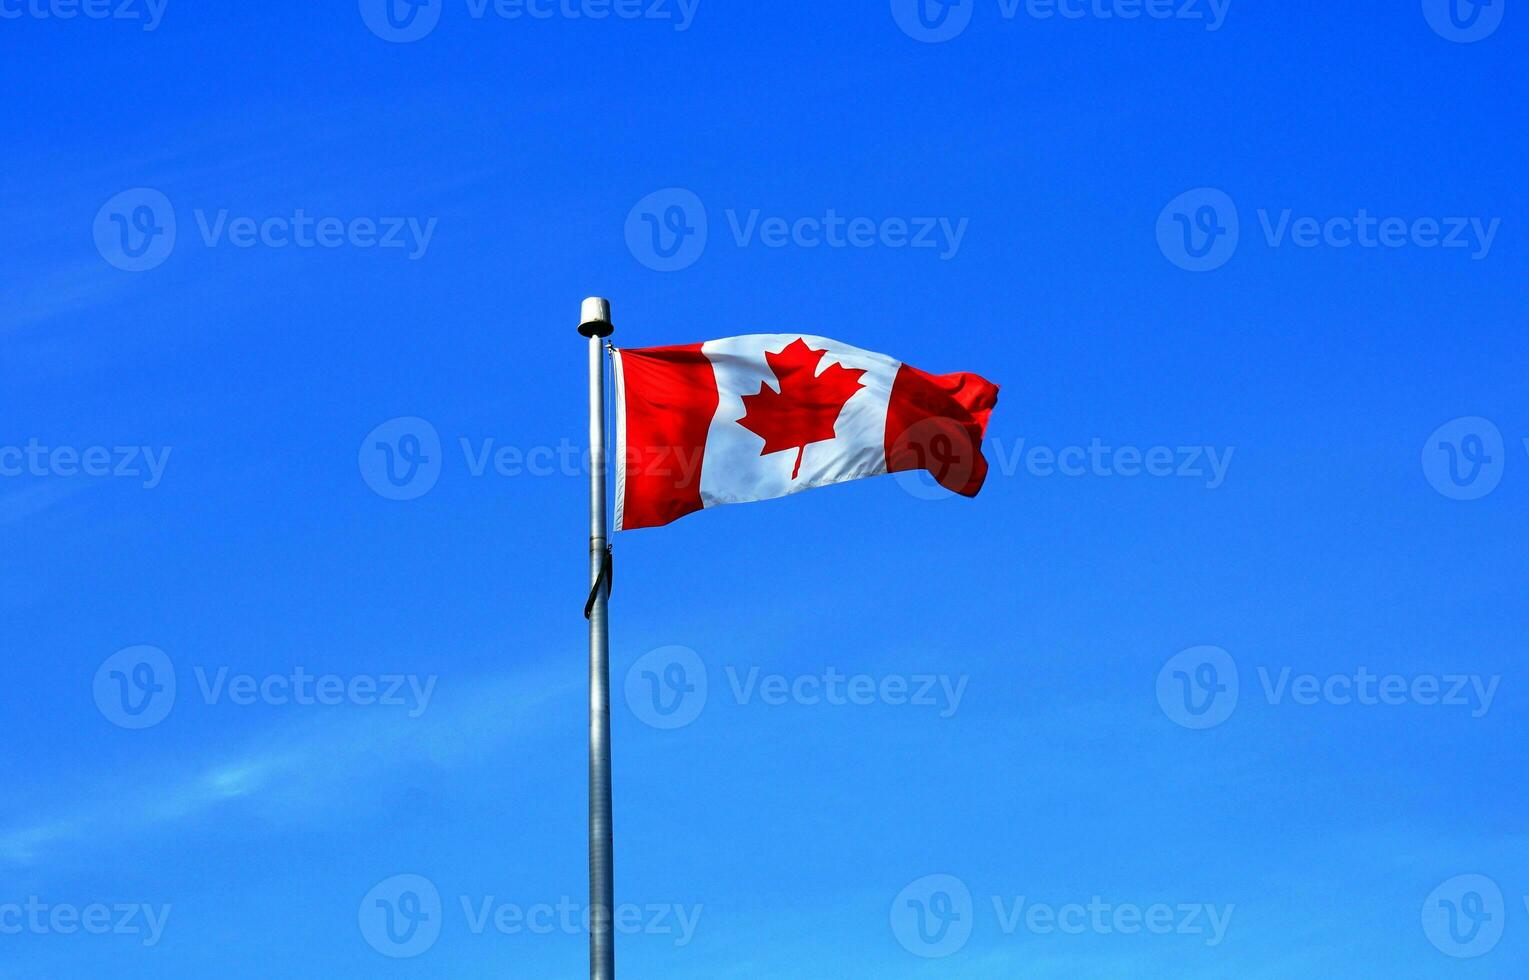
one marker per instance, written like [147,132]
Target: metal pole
[595,323]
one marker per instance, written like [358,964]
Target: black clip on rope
[606,578]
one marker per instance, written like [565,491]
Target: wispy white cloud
[295,770]
[36,497]
[65,290]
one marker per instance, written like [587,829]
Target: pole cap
[595,318]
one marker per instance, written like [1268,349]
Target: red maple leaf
[807,405]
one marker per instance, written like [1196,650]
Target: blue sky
[1277,254]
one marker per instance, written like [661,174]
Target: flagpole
[595,323]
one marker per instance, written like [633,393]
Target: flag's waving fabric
[762,416]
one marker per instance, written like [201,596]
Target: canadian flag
[763,416]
